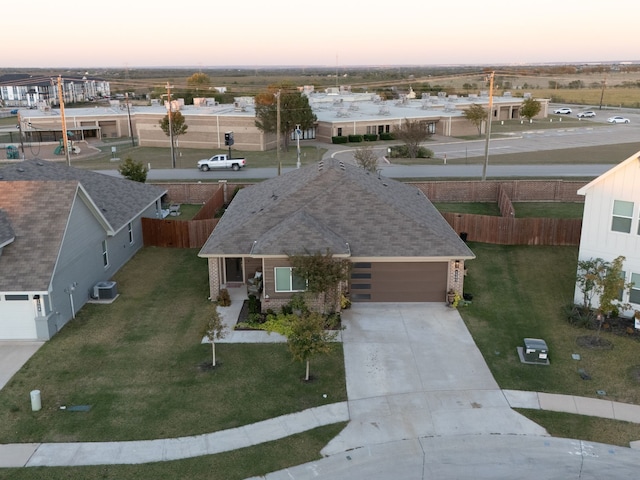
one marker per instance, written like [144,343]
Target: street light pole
[173,155]
[488,132]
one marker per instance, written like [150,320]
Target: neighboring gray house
[62,231]
[400,247]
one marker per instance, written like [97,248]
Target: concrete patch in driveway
[13,355]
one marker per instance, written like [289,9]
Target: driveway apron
[13,355]
[414,371]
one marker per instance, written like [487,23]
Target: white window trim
[105,254]
[275,276]
[614,216]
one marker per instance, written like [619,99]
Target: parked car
[221,161]
[618,119]
[587,114]
[562,111]
[14,111]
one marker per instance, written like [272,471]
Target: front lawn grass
[593,429]
[548,209]
[136,362]
[520,291]
[474,208]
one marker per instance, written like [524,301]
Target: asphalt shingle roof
[38,213]
[119,200]
[337,206]
[6,231]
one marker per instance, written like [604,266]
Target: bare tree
[366,158]
[412,133]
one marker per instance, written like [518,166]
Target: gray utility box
[535,350]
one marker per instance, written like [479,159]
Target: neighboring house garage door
[17,319]
[398,282]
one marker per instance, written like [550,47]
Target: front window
[130,230]
[288,281]
[634,293]
[622,216]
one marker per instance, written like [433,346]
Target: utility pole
[133,141]
[20,130]
[488,132]
[604,83]
[298,133]
[278,131]
[65,140]
[173,155]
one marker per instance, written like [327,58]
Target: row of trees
[477,114]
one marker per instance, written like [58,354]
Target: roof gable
[635,158]
[118,200]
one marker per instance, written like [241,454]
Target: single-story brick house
[400,247]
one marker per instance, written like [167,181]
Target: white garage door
[17,318]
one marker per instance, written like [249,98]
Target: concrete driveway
[414,371]
[13,355]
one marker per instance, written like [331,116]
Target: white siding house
[611,224]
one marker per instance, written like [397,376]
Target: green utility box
[12,153]
[535,350]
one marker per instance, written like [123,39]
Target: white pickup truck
[221,161]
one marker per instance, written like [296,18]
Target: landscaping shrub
[386,136]
[402,151]
[339,139]
[370,137]
[224,299]
[355,138]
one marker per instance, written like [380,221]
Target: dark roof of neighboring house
[118,200]
[337,206]
[38,212]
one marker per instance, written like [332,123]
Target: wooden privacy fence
[177,233]
[516,231]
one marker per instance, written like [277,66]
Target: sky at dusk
[200,33]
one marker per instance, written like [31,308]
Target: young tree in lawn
[215,330]
[590,272]
[366,158]
[412,133]
[294,110]
[530,108]
[610,286]
[133,170]
[476,114]
[308,338]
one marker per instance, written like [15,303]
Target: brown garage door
[399,282]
